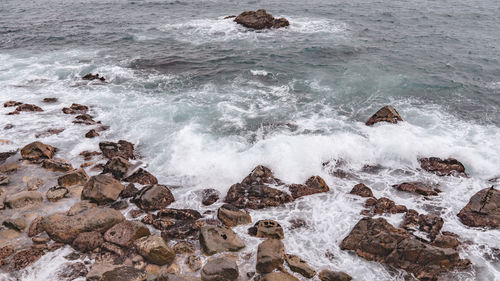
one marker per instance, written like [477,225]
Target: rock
[126,232]
[154,197]
[87,155]
[385,114]
[313,185]
[278,276]
[23,199]
[72,271]
[431,224]
[75,109]
[91,134]
[124,273]
[72,178]
[119,205]
[36,227]
[62,227]
[102,189]
[222,268]
[129,191]
[361,190]
[154,249]
[40,240]
[56,166]
[377,240]
[298,265]
[270,255]
[329,275]
[49,132]
[384,205]
[440,167]
[209,196]
[232,216]
[80,207]
[6,155]
[194,263]
[180,229]
[28,108]
[6,251]
[179,214]
[9,167]
[122,148]
[37,150]
[88,241]
[114,249]
[483,209]
[418,188]
[446,240]
[56,193]
[4,179]
[267,229]
[24,258]
[86,119]
[260,19]
[33,183]
[141,176]
[216,239]
[49,100]
[11,103]
[18,224]
[117,166]
[91,77]
[184,247]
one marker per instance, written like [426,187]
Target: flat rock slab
[216,239]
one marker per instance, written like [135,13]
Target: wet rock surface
[418,188]
[231,216]
[154,197]
[24,258]
[329,275]
[270,255]
[75,108]
[443,167]
[102,189]
[210,196]
[313,185]
[483,209]
[142,176]
[260,19]
[362,190]
[88,241]
[72,178]
[23,199]
[300,266]
[126,232]
[216,239]
[121,148]
[154,249]
[385,114]
[37,150]
[124,273]
[267,229]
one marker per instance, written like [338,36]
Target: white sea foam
[259,72]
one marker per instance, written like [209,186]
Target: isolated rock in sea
[270,255]
[56,165]
[141,176]
[26,108]
[86,119]
[278,276]
[91,76]
[102,189]
[37,150]
[75,108]
[231,216]
[49,100]
[209,196]
[440,167]
[126,232]
[121,148]
[91,134]
[56,193]
[154,197]
[300,266]
[377,240]
[88,241]
[362,190]
[117,166]
[313,185]
[329,275]
[222,268]
[216,239]
[12,103]
[23,199]
[154,249]
[418,188]
[267,229]
[73,178]
[383,205]
[260,19]
[483,209]
[385,114]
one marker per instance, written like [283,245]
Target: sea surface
[205,100]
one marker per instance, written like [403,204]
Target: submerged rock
[267,229]
[440,167]
[260,19]
[12,103]
[91,134]
[216,239]
[385,114]
[23,199]
[24,258]
[49,132]
[18,224]
[72,271]
[313,185]
[209,196]
[37,150]
[154,197]
[270,255]
[56,165]
[361,190]
[75,108]
[49,100]
[220,269]
[91,77]
[418,188]
[483,209]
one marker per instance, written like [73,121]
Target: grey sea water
[206,100]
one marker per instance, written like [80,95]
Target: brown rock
[270,255]
[278,276]
[329,275]
[222,268]
[154,197]
[87,155]
[126,232]
[267,229]
[11,103]
[102,189]
[6,251]
[232,216]
[9,167]
[179,214]
[49,132]
[24,258]
[72,271]
[56,193]
[384,205]
[142,176]
[313,185]
[36,227]
[122,148]
[440,167]
[385,114]
[483,209]
[23,199]
[209,196]
[91,77]
[88,241]
[91,134]
[49,100]
[85,119]
[418,188]
[72,178]
[124,273]
[154,249]
[180,229]
[117,166]
[361,190]
[28,108]
[300,266]
[260,19]
[216,239]
[194,263]
[18,224]
[129,191]
[37,150]
[184,247]
[75,109]
[446,240]
[56,165]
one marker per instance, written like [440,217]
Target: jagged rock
[56,193]
[24,258]
[11,103]
[270,255]
[181,229]
[440,167]
[23,199]
[216,239]
[194,263]
[75,108]
[113,249]
[278,276]
[129,191]
[232,216]
[431,224]
[361,190]
[260,19]
[267,229]
[102,189]
[65,227]
[126,232]
[122,148]
[220,269]
[91,77]
[92,133]
[37,150]
[184,247]
[18,224]
[88,241]
[446,240]
[117,166]
[209,196]
[384,205]
[72,178]
[86,119]
[385,114]
[124,273]
[418,188]
[329,275]
[313,185]
[154,197]
[483,209]
[377,240]
[56,166]
[141,176]
[154,249]
[72,271]
[179,214]
[300,266]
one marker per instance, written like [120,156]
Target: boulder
[28,108]
[483,209]
[418,188]
[329,275]
[313,185]
[194,263]
[278,276]
[119,205]
[6,251]
[446,240]
[75,108]
[126,232]
[231,216]
[261,175]
[267,229]
[88,241]
[9,167]
[256,196]
[122,148]
[300,266]
[270,255]
[49,100]
[129,191]
[90,76]
[56,165]
[86,119]
[179,214]
[260,19]
[222,268]
[124,273]
[18,224]
[184,247]
[216,239]
[209,196]
[92,133]
[154,249]
[37,150]
[72,178]
[23,199]
[102,189]
[154,197]
[56,193]
[384,205]
[431,223]
[377,240]
[36,227]
[65,227]
[117,166]
[440,167]
[180,229]
[24,258]
[141,176]
[385,114]
[361,190]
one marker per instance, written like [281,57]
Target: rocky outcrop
[141,176]
[260,19]
[377,240]
[209,196]
[154,197]
[440,167]
[300,266]
[90,76]
[329,275]
[231,216]
[121,148]
[88,241]
[102,189]
[222,268]
[216,239]
[267,229]
[270,255]
[418,188]
[385,114]
[23,199]
[72,178]
[117,166]
[362,190]
[37,150]
[26,108]
[75,109]
[126,232]
[313,185]
[154,249]
[483,209]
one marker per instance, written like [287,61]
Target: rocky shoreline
[154,242]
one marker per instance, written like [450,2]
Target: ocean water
[205,100]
